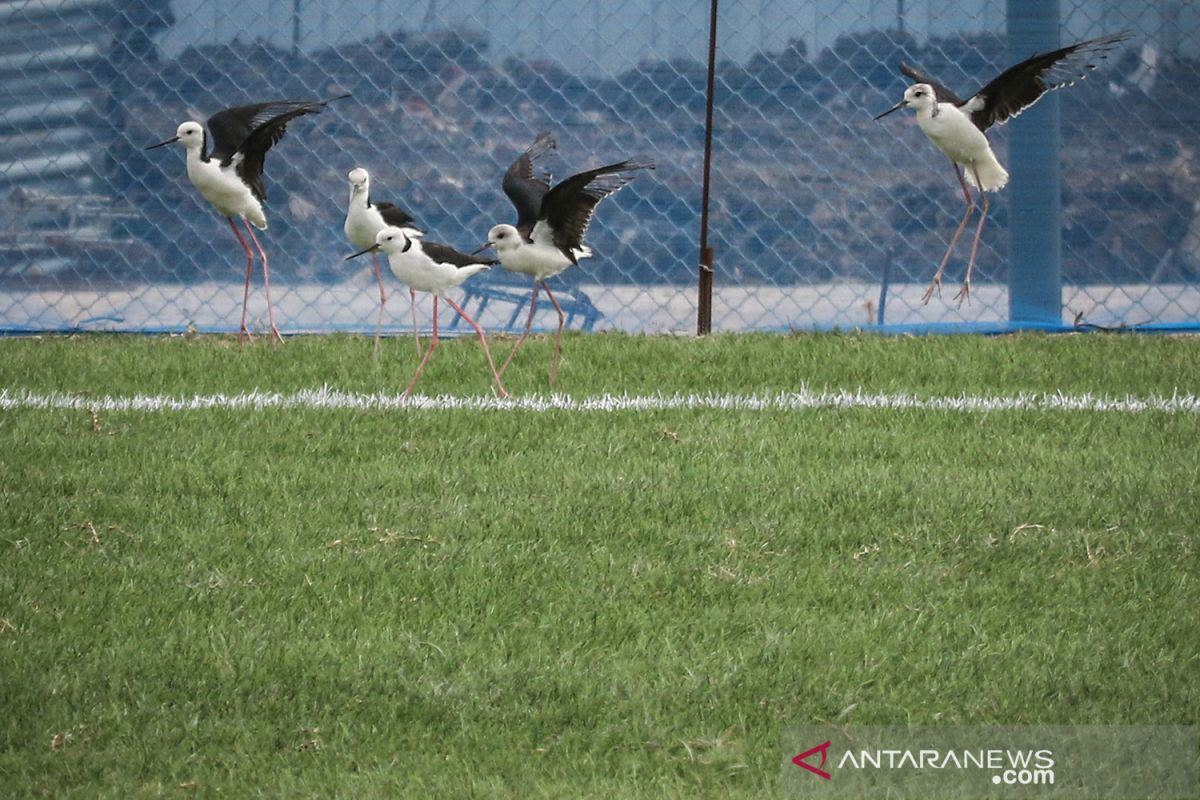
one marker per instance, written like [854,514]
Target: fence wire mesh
[820,217]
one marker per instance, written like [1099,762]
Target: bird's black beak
[370,249]
[896,107]
[172,140]
[482,247]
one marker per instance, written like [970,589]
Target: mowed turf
[295,603]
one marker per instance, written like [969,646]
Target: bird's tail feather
[992,175]
[469,270]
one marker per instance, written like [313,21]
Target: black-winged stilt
[431,267]
[551,224]
[231,176]
[364,220]
[957,127]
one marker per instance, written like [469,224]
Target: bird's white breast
[362,224]
[542,259]
[222,187]
[954,134]
[417,270]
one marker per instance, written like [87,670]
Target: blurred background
[820,216]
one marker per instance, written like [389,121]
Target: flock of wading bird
[553,220]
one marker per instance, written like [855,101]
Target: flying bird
[364,220]
[551,225]
[230,176]
[958,127]
[432,267]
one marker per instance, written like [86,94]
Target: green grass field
[519,604]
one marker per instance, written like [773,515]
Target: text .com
[1024,777]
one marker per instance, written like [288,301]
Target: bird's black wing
[1020,86]
[568,207]
[526,189]
[231,127]
[940,91]
[395,215]
[445,254]
[252,130]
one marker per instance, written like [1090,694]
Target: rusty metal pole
[704,310]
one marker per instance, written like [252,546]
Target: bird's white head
[393,240]
[360,181]
[919,97]
[503,238]
[190,134]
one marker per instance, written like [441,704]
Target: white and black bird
[426,266]
[957,127]
[364,220]
[230,175]
[551,225]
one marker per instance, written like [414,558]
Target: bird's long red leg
[483,341]
[557,336]
[266,282]
[937,277]
[244,331]
[432,345]
[965,292]
[382,300]
[528,324]
[412,294]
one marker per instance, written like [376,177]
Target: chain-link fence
[820,217]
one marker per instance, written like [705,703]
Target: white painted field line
[328,398]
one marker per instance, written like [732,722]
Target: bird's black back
[445,254]
[526,189]
[394,215]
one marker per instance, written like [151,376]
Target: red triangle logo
[823,749]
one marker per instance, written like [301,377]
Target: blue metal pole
[1035,224]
